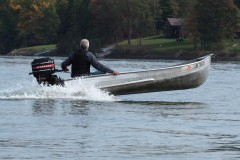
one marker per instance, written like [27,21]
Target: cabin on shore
[173,28]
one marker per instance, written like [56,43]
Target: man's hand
[115,72]
[65,69]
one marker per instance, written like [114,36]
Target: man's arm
[97,65]
[66,63]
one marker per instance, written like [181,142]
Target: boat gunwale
[197,60]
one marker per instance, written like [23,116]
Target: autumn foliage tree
[37,21]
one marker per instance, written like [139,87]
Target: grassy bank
[155,47]
[43,47]
[159,47]
[33,50]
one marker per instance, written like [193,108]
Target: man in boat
[82,59]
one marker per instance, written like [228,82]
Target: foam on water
[75,90]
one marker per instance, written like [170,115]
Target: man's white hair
[84,44]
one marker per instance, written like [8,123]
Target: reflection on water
[163,103]
[226,145]
[44,107]
[50,107]
[80,108]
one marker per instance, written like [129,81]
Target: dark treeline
[64,22]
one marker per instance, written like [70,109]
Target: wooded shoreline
[217,55]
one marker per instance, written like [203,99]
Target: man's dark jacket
[81,61]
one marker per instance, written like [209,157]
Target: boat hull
[185,76]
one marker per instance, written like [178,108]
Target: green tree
[75,24]
[147,13]
[185,7]
[107,20]
[103,21]
[213,22]
[170,8]
[117,17]
[8,30]
[138,17]
[129,15]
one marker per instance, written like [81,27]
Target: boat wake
[76,90]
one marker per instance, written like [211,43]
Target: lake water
[38,122]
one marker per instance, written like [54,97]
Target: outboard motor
[43,70]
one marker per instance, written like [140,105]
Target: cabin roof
[175,21]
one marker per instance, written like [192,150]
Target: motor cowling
[43,70]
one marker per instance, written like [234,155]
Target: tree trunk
[140,40]
[129,35]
